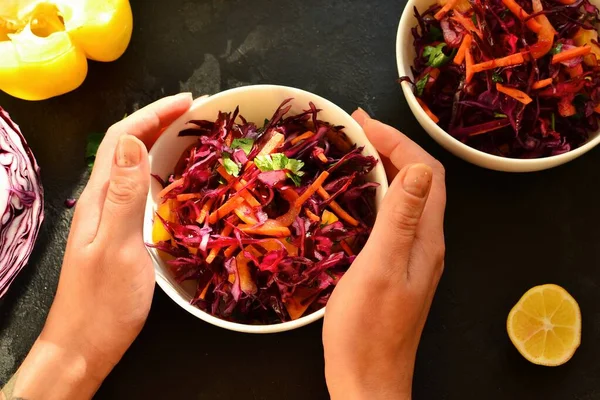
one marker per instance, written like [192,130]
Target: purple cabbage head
[21,201]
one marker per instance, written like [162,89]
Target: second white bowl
[405,55]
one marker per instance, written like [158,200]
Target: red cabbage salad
[265,220]
[513,78]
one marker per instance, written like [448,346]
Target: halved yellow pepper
[45,44]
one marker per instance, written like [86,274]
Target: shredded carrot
[431,115]
[312,216]
[516,9]
[230,250]
[203,294]
[346,248]
[542,83]
[597,108]
[337,209]
[188,196]
[302,298]
[304,136]
[269,228]
[215,250]
[447,7]
[225,209]
[246,282]
[460,55]
[575,71]
[245,213]
[274,142]
[239,186]
[513,59]
[469,65]
[571,53]
[311,189]
[175,184]
[278,244]
[567,2]
[322,157]
[514,93]
[205,210]
[467,23]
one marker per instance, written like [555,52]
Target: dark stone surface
[505,233]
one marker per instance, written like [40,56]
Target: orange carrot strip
[514,93]
[311,189]
[516,9]
[346,248]
[278,244]
[215,250]
[322,157]
[302,298]
[460,55]
[467,23]
[304,136]
[273,143]
[205,210]
[246,283]
[513,59]
[597,108]
[567,2]
[203,294]
[542,83]
[175,184]
[447,7]
[312,216]
[571,53]
[188,196]
[230,250]
[238,186]
[469,65]
[431,115]
[269,228]
[576,71]
[289,217]
[225,209]
[245,213]
[340,212]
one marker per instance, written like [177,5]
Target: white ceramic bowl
[405,54]
[256,103]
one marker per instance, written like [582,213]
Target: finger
[401,151]
[146,124]
[395,229]
[123,211]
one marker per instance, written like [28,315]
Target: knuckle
[123,190]
[405,216]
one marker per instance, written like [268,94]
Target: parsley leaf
[556,49]
[91,148]
[437,58]
[474,19]
[230,166]
[278,161]
[497,78]
[244,144]
[420,85]
[435,34]
[499,115]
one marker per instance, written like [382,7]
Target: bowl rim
[455,146]
[162,281]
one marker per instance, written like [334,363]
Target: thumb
[397,221]
[123,211]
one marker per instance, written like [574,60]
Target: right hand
[374,319]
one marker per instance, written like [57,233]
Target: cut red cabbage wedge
[21,201]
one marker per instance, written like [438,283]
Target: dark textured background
[505,233]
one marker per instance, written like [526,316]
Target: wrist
[52,371]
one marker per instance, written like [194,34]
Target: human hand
[107,279]
[374,319]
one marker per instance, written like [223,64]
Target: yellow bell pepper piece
[45,44]
[159,232]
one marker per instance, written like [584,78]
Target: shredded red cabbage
[21,201]
[560,116]
[266,220]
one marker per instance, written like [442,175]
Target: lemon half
[545,325]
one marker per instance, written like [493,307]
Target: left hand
[107,279]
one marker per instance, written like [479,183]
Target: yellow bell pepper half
[45,44]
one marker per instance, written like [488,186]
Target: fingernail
[129,152]
[184,95]
[417,180]
[361,116]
